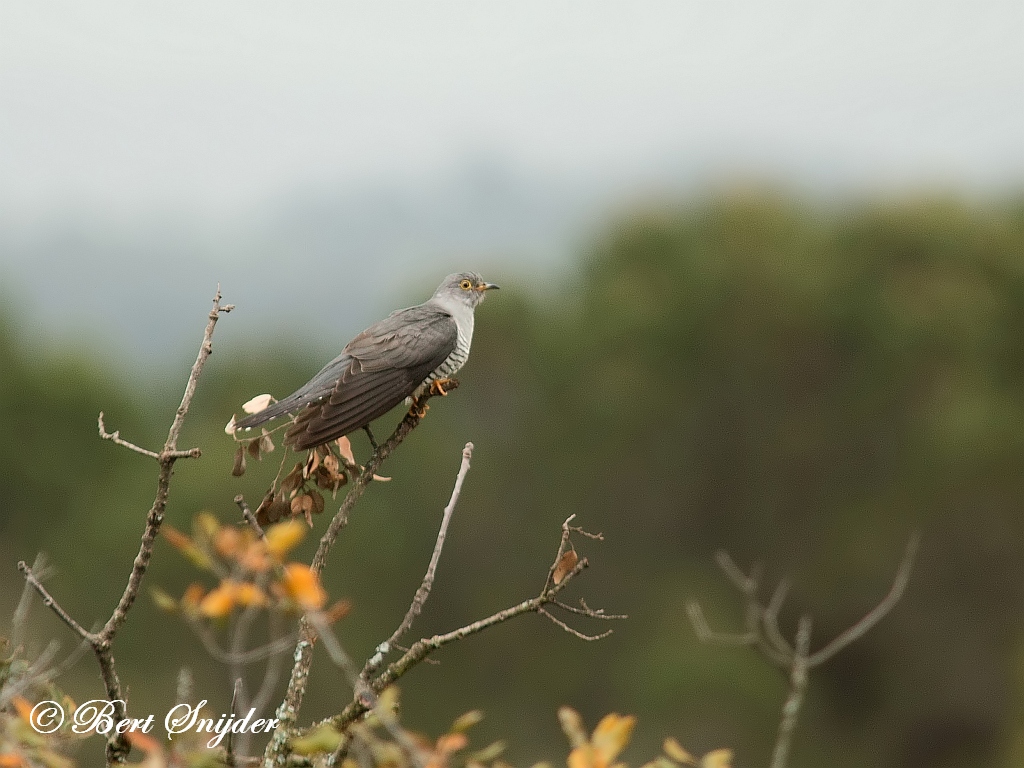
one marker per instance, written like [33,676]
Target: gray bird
[397,358]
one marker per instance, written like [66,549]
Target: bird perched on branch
[402,356]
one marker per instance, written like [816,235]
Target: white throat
[463,315]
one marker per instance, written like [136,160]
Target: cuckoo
[400,357]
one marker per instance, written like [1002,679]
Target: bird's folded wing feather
[377,370]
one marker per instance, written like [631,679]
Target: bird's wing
[377,370]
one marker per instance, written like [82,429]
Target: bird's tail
[281,407]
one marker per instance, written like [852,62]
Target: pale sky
[223,105]
[149,150]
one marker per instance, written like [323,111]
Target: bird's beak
[487,287]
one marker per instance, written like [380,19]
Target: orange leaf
[565,565]
[611,736]
[228,541]
[284,537]
[193,595]
[450,743]
[303,586]
[12,760]
[24,708]
[254,558]
[583,757]
[220,601]
[248,593]
[338,611]
[177,539]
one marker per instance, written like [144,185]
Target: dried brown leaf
[253,449]
[312,462]
[345,449]
[331,463]
[239,467]
[565,565]
[266,443]
[318,501]
[293,480]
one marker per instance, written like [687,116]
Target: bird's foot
[437,386]
[418,409]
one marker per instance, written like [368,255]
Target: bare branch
[745,584]
[52,604]
[421,649]
[705,634]
[423,592]
[251,656]
[102,641]
[762,625]
[115,437]
[899,585]
[770,620]
[250,518]
[797,688]
[20,618]
[588,611]
[570,630]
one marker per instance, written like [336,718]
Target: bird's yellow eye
[466,285]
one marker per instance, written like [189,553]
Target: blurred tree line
[799,385]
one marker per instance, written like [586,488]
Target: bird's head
[465,287]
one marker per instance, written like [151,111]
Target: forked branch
[560,574]
[102,640]
[762,631]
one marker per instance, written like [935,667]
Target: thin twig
[251,656]
[770,620]
[705,634]
[421,649]
[558,622]
[423,592]
[19,620]
[899,585]
[588,611]
[53,605]
[250,518]
[762,630]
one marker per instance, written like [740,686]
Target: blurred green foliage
[796,384]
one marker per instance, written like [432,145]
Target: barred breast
[456,359]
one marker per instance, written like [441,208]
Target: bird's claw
[418,409]
[437,387]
